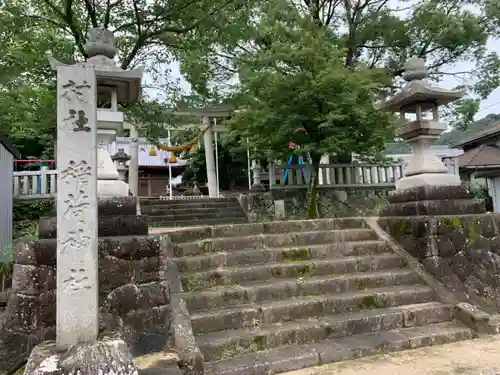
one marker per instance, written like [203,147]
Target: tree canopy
[214,40]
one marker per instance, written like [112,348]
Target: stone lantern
[426,183]
[418,105]
[114,86]
[120,159]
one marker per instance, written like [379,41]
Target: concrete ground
[470,357]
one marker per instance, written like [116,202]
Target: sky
[489,105]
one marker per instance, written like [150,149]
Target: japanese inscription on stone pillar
[77,256]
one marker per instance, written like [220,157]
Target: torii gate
[207,115]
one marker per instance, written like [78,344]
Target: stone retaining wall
[134,292]
[331,203]
[462,252]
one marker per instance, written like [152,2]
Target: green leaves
[299,80]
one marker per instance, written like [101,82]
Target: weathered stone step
[196,216]
[272,270]
[231,295]
[247,229]
[334,350]
[234,317]
[223,344]
[182,210]
[273,240]
[277,254]
[187,202]
[199,223]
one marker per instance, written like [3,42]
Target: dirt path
[473,357]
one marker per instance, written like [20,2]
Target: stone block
[36,253]
[473,317]
[30,279]
[279,210]
[435,207]
[108,226]
[106,356]
[111,206]
[16,346]
[426,193]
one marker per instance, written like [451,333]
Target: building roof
[484,156]
[9,146]
[490,132]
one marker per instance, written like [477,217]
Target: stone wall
[133,288]
[331,203]
[462,252]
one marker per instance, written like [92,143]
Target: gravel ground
[472,357]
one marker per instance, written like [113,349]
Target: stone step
[274,270]
[290,358]
[243,316]
[279,254]
[194,216]
[273,240]
[229,343]
[187,202]
[288,288]
[199,223]
[247,229]
[174,210]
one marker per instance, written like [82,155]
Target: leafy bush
[27,214]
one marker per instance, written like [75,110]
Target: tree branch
[91,13]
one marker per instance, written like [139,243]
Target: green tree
[152,34]
[379,34]
[27,90]
[299,81]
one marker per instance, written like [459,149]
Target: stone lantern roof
[101,50]
[417,90]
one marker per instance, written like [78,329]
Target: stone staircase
[192,212]
[273,297]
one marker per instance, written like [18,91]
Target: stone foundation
[432,200]
[460,251]
[133,289]
[104,357]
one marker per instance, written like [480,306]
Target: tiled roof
[482,156]
[5,142]
[491,131]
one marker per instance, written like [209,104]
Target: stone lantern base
[112,188]
[428,179]
[432,200]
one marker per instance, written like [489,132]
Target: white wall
[6,199]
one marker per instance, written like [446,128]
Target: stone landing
[192,212]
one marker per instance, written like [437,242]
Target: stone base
[104,357]
[112,188]
[432,200]
[430,179]
[257,188]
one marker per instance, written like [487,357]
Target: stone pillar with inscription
[114,86]
[81,89]
[77,257]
